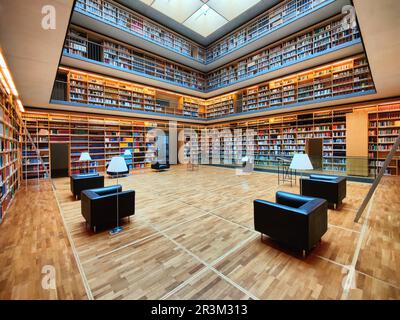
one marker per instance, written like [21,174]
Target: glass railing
[356,167]
[141,27]
[131,60]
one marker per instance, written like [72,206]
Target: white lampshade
[85,156]
[301,161]
[117,165]
[127,152]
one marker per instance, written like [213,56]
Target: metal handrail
[371,191]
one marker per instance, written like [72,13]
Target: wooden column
[357,143]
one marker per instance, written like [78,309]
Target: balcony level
[105,19]
[319,44]
[344,81]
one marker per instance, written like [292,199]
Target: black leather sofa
[330,188]
[294,220]
[160,166]
[80,182]
[99,206]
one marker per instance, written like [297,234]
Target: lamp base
[115,230]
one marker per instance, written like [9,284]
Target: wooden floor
[32,236]
[193,238]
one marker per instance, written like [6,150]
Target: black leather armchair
[80,182]
[330,188]
[160,166]
[294,220]
[99,206]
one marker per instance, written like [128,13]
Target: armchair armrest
[107,190]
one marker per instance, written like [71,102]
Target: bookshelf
[220,106]
[383,129]
[282,136]
[193,107]
[90,89]
[342,78]
[129,21]
[272,19]
[129,58]
[10,152]
[275,136]
[102,137]
[349,76]
[308,43]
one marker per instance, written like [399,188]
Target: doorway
[314,151]
[59,159]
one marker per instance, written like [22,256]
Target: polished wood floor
[32,236]
[193,238]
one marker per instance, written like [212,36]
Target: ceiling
[202,16]
[203,21]
[380,32]
[31,51]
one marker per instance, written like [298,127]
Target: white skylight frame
[202,16]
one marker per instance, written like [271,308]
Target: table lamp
[117,165]
[301,161]
[128,153]
[85,156]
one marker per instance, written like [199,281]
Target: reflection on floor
[192,238]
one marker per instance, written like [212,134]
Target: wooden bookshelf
[383,129]
[193,107]
[350,76]
[275,137]
[306,44]
[129,58]
[102,137]
[220,106]
[90,89]
[129,21]
[283,135]
[10,152]
[327,82]
[267,22]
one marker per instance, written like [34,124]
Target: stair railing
[378,179]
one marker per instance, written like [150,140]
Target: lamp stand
[301,185]
[118,228]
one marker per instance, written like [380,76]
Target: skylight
[202,16]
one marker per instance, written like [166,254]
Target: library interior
[200,149]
